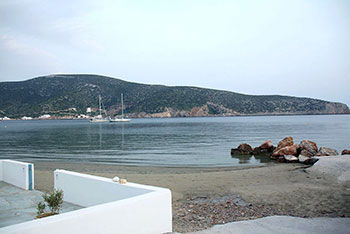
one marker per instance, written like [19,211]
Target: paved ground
[283,225]
[18,205]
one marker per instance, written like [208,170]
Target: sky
[262,47]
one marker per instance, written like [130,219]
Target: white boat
[99,118]
[122,119]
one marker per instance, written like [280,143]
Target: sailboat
[122,119]
[99,118]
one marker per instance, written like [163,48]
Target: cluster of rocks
[288,151]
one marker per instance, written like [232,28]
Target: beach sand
[203,197]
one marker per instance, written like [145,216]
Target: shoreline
[202,197]
[205,116]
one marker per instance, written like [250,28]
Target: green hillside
[57,94]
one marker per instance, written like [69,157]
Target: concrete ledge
[283,225]
[337,167]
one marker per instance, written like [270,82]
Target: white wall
[1,170]
[87,190]
[138,209]
[17,174]
[144,214]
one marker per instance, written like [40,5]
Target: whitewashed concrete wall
[17,173]
[87,190]
[139,209]
[1,170]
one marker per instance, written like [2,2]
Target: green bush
[40,208]
[53,201]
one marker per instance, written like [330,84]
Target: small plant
[40,208]
[53,201]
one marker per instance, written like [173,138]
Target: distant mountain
[72,94]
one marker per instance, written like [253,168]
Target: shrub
[53,201]
[40,208]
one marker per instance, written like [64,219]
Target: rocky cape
[62,95]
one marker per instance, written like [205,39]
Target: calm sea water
[165,142]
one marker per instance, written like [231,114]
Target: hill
[72,94]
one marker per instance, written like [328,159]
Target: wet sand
[203,197]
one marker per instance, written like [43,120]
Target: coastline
[203,197]
[176,117]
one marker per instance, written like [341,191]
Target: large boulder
[288,150]
[325,151]
[265,148]
[345,152]
[242,149]
[308,148]
[287,141]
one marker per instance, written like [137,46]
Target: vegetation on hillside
[58,94]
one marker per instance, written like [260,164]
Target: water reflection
[122,143]
[252,159]
[100,134]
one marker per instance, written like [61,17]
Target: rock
[287,141]
[259,151]
[288,150]
[281,159]
[307,160]
[325,151]
[275,157]
[115,179]
[307,153]
[311,161]
[122,181]
[265,148]
[303,159]
[308,148]
[345,152]
[243,149]
[266,145]
[291,158]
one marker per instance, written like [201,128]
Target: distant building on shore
[82,116]
[44,116]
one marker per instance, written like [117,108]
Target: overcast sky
[298,48]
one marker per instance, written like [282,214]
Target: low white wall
[1,170]
[138,209]
[17,173]
[87,190]
[144,214]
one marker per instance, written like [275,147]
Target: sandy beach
[203,197]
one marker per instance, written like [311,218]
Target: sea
[168,142]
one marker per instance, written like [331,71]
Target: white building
[88,110]
[44,116]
